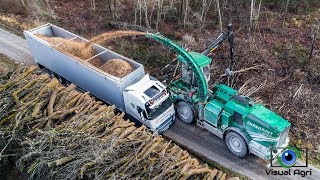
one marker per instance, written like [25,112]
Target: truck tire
[185,112]
[236,144]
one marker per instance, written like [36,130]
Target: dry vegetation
[56,132]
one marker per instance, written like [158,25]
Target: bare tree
[146,13]
[185,19]
[253,3]
[219,14]
[135,13]
[159,13]
[205,8]
[255,11]
[140,12]
[154,6]
[113,6]
[259,7]
[93,4]
[314,37]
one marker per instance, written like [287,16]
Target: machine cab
[187,73]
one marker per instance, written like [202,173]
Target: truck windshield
[153,113]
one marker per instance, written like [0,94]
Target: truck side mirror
[142,113]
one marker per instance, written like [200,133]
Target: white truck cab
[149,102]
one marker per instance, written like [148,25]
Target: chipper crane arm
[215,44]
[199,76]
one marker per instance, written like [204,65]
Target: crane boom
[215,44]
[199,76]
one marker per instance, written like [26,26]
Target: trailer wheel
[185,112]
[236,144]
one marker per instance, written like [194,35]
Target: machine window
[206,72]
[238,118]
[186,73]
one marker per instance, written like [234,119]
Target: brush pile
[56,132]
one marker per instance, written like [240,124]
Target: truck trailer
[138,94]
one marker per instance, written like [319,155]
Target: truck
[139,95]
[246,127]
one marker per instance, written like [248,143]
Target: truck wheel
[184,112]
[236,144]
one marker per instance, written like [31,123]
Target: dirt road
[15,47]
[202,143]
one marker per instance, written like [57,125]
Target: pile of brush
[56,132]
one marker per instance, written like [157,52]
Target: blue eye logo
[289,157]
